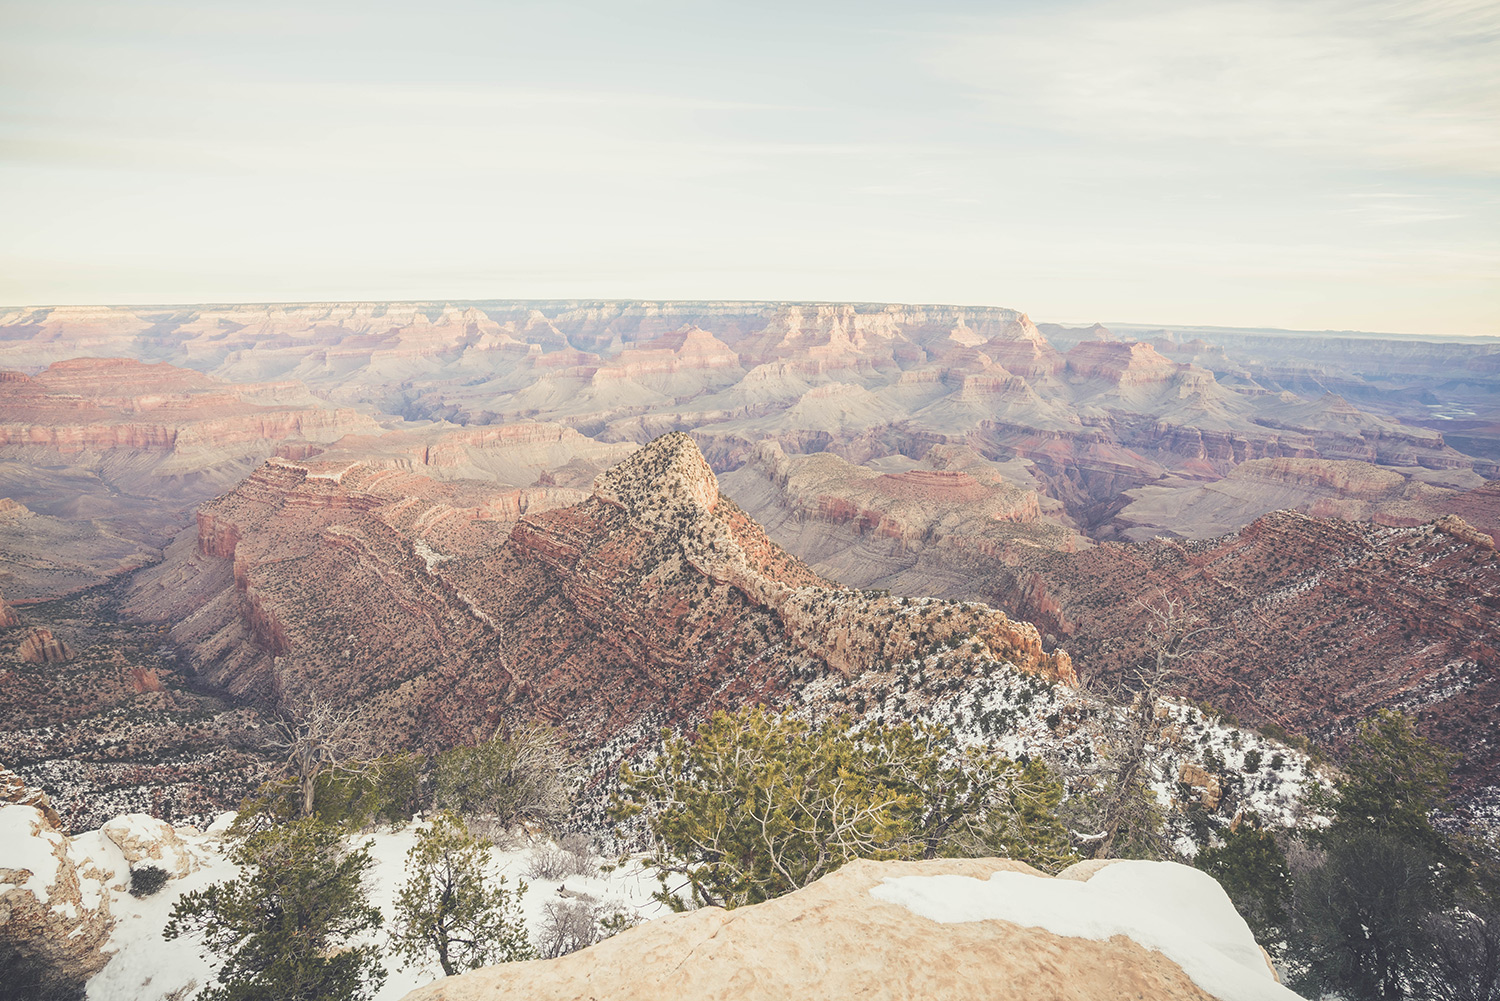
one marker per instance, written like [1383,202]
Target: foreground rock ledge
[834,940]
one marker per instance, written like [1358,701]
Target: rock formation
[95,438]
[1316,622]
[444,607]
[1350,490]
[430,536]
[148,841]
[54,912]
[41,647]
[865,381]
[845,936]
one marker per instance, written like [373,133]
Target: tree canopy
[761,803]
[286,927]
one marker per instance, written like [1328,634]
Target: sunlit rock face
[924,929]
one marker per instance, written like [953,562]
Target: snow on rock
[1174,909]
[54,910]
[144,840]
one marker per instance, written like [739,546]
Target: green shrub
[146,880]
[386,790]
[761,803]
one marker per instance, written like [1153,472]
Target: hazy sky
[1298,164]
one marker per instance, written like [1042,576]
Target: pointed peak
[666,476]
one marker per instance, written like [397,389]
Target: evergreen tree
[1361,915]
[1363,910]
[1020,820]
[284,928]
[761,803]
[1251,867]
[451,910]
[1394,779]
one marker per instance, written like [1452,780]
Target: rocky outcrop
[13,789]
[117,403]
[1203,785]
[41,647]
[1315,622]
[1122,364]
[1461,530]
[854,933]
[442,613]
[146,841]
[54,911]
[8,616]
[1346,489]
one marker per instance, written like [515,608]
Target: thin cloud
[1400,83]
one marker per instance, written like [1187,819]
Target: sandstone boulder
[1205,784]
[13,789]
[860,932]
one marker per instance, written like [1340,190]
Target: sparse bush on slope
[761,803]
[509,780]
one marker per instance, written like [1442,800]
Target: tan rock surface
[834,940]
[53,912]
[145,840]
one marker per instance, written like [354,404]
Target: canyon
[620,515]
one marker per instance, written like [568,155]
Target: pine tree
[1394,779]
[451,910]
[1362,910]
[284,928]
[1251,867]
[762,803]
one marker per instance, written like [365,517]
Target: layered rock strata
[443,609]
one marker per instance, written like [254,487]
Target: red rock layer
[41,647]
[654,599]
[117,403]
[1316,622]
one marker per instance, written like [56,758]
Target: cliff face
[1345,489]
[114,438]
[1316,622]
[93,404]
[54,912]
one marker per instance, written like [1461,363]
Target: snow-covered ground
[147,967]
[1174,909]
[1023,715]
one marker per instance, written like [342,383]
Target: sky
[1310,164]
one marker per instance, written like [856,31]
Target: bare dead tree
[1177,629]
[314,736]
